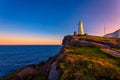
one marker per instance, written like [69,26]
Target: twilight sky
[47,21]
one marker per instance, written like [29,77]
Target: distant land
[115,34]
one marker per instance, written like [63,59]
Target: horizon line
[27,44]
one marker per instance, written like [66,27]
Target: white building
[115,34]
[80,28]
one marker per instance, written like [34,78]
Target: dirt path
[106,48]
[113,52]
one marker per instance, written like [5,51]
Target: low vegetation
[81,62]
[89,63]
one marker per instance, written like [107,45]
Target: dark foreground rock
[27,71]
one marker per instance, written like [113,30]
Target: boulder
[27,71]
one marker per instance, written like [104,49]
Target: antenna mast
[104,29]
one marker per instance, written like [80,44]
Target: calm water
[14,57]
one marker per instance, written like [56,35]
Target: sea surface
[14,57]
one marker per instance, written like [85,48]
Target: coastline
[51,70]
[21,56]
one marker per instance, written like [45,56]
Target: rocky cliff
[80,58]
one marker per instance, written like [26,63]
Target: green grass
[89,63]
[84,63]
[92,51]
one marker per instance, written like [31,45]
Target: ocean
[14,57]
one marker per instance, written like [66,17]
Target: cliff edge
[80,58]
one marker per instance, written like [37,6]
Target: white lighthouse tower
[80,28]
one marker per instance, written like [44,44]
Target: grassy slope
[89,63]
[84,63]
[98,38]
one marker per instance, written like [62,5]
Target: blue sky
[53,19]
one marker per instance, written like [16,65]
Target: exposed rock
[111,52]
[53,75]
[50,67]
[27,71]
[79,41]
[61,55]
[46,68]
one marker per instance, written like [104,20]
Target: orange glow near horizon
[31,25]
[28,41]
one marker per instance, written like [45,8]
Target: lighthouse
[80,28]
